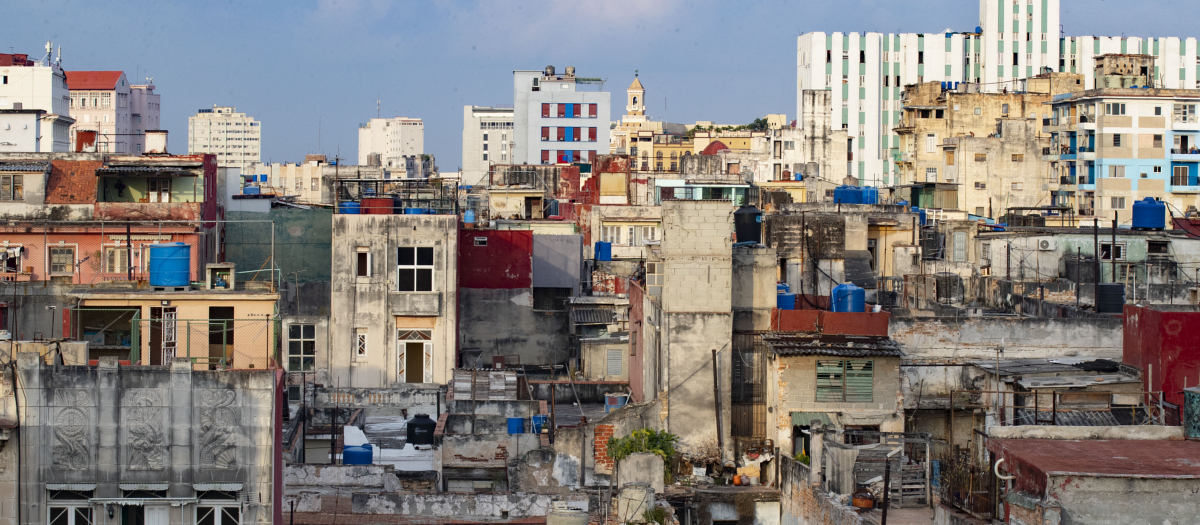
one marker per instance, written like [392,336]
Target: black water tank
[747,223]
[1110,298]
[1080,270]
[420,430]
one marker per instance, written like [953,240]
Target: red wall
[505,263]
[1166,347]
[637,354]
[844,323]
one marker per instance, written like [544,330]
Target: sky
[312,70]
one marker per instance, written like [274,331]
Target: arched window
[635,100]
[673,156]
[645,154]
[658,155]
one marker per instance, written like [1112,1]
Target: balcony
[147,211]
[1186,119]
[1187,155]
[415,303]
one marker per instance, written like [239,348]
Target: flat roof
[1110,458]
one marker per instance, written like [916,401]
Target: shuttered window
[614,362]
[960,246]
[845,381]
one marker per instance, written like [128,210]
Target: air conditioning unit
[1047,244]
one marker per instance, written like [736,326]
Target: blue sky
[303,65]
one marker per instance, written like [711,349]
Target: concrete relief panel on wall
[72,429]
[145,422]
[218,429]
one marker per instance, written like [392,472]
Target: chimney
[85,141]
[156,142]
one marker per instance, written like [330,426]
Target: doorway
[163,338]
[220,335]
[144,515]
[533,207]
[414,362]
[158,190]
[415,356]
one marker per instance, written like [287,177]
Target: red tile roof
[713,147]
[72,182]
[93,79]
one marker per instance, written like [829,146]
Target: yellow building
[624,138]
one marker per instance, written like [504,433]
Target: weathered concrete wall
[1136,432]
[1023,337]
[458,505]
[323,478]
[372,305]
[1120,500]
[795,379]
[503,322]
[485,450]
[303,240]
[802,502]
[753,294]
[148,424]
[380,402]
[641,468]
[27,313]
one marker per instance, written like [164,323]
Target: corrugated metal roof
[804,419]
[592,316]
[797,344]
[157,170]
[227,487]
[24,166]
[70,486]
[1070,418]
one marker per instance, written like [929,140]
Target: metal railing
[1071,407]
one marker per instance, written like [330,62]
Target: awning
[804,419]
[70,486]
[174,502]
[145,486]
[592,316]
[226,487]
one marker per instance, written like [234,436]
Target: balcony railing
[1186,119]
[1181,151]
[1181,180]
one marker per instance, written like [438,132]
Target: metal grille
[749,377]
[845,381]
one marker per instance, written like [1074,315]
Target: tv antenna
[377,114]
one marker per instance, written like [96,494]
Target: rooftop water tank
[1110,298]
[1149,214]
[469,217]
[849,298]
[377,206]
[170,264]
[349,208]
[747,222]
[420,430]
[785,301]
[847,194]
[516,425]
[782,288]
[870,195]
[603,251]
[357,455]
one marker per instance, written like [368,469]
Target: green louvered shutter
[829,381]
[859,380]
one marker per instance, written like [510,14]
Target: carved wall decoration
[72,430]
[144,429]
[218,429]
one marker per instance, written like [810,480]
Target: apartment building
[556,119]
[1116,145]
[487,139]
[1014,40]
[395,140]
[26,87]
[235,138]
[100,101]
[145,109]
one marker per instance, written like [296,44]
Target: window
[981,157]
[981,185]
[920,57]
[844,381]
[960,246]
[363,262]
[1116,172]
[1158,247]
[481,241]
[649,233]
[1117,203]
[654,278]
[12,188]
[1106,251]
[614,363]
[1018,186]
[302,347]
[1158,110]
[979,211]
[930,174]
[116,259]
[1116,140]
[1158,141]
[360,343]
[1018,157]
[1179,175]
[414,269]
[62,259]
[70,515]
[1004,109]
[313,184]
[930,143]
[611,234]
[978,111]
[222,515]
[1113,108]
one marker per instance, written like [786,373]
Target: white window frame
[72,509]
[930,142]
[50,258]
[1116,171]
[110,249]
[361,344]
[930,174]
[1113,203]
[358,269]
[300,347]
[423,336]
[416,268]
[218,515]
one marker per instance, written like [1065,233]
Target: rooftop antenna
[49,53]
[377,114]
[59,60]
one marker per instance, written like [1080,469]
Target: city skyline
[317,73]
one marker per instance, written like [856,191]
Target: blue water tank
[847,194]
[870,195]
[349,208]
[902,203]
[358,455]
[540,422]
[785,301]
[614,401]
[251,190]
[170,264]
[920,212]
[1149,214]
[469,217]
[516,425]
[782,288]
[849,298]
[603,251]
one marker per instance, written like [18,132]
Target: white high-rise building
[487,139]
[558,118]
[395,140]
[1015,39]
[28,86]
[236,139]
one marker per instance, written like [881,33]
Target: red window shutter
[545,156]
[592,134]
[592,110]
[575,135]
[562,110]
[562,134]
[575,156]
[575,110]
[545,110]
[545,133]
